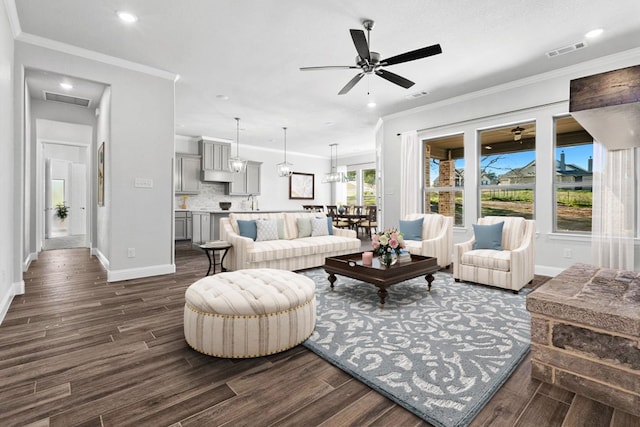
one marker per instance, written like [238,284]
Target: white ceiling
[251,52]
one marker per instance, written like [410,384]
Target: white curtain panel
[612,239]
[410,174]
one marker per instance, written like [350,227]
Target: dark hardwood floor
[76,350]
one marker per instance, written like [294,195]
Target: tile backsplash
[211,193]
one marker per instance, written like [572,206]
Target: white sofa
[509,268]
[289,253]
[437,237]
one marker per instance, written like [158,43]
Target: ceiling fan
[369,62]
[519,132]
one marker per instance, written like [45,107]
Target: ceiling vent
[417,95]
[59,97]
[566,49]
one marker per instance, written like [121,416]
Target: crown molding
[576,70]
[12,15]
[93,55]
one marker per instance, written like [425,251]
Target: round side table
[210,249]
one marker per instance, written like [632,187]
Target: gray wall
[139,145]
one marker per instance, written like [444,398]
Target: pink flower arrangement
[387,241]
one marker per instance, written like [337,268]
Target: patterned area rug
[440,354]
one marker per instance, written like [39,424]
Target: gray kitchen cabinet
[182,225]
[215,155]
[201,227]
[187,174]
[247,182]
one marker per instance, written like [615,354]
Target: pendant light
[284,168]
[236,164]
[334,175]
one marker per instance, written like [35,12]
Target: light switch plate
[143,183]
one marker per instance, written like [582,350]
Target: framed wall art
[301,185]
[101,175]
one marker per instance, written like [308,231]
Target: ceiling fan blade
[330,67]
[394,78]
[351,84]
[413,55]
[360,41]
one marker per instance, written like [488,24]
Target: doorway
[65,196]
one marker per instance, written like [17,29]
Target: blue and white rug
[440,354]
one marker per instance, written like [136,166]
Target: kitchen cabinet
[201,227]
[187,174]
[247,182]
[215,155]
[183,225]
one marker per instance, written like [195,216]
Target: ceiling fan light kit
[369,62]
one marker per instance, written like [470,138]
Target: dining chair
[371,220]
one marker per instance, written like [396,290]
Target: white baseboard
[103,259]
[27,262]
[135,273]
[5,301]
[544,270]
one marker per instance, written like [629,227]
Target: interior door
[78,202]
[48,200]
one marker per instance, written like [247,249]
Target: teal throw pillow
[488,236]
[304,227]
[247,228]
[412,229]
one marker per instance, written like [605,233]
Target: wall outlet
[568,253]
[131,252]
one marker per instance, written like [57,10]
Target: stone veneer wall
[585,334]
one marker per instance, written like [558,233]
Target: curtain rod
[491,116]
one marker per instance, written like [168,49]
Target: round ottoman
[249,313]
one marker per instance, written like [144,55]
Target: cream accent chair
[512,268]
[437,237]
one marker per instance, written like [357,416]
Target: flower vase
[388,259]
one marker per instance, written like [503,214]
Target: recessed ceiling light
[371,104]
[66,86]
[223,97]
[594,33]
[127,17]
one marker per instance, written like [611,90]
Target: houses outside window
[444,176]
[508,170]
[573,176]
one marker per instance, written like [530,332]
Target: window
[361,185]
[573,176]
[508,170]
[444,176]
[57,191]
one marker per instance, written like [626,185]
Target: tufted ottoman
[249,313]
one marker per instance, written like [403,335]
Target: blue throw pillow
[248,228]
[488,236]
[411,230]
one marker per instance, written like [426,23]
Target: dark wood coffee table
[380,276]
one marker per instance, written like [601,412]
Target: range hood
[217,176]
[607,105]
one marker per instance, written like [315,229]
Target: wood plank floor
[76,350]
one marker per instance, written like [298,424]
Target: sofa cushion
[235,216]
[488,236]
[280,249]
[319,227]
[488,258]
[332,244]
[267,229]
[411,229]
[247,228]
